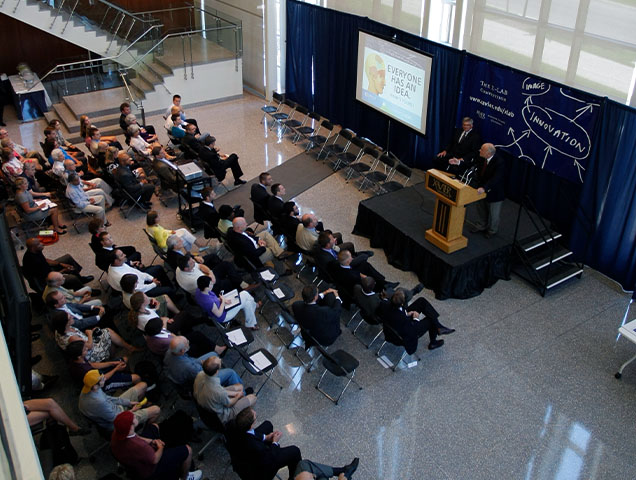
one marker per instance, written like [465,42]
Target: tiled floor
[524,389]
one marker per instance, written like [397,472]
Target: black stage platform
[397,223]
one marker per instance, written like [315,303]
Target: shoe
[368,253]
[48,380]
[417,288]
[445,331]
[391,285]
[108,224]
[435,344]
[489,234]
[350,469]
[2,124]
[477,230]
[79,433]
[285,255]
[62,226]
[35,359]
[96,292]
[87,278]
[63,232]
[196,475]
[239,182]
[249,391]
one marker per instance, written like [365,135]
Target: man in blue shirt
[181,368]
[95,204]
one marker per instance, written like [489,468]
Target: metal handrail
[95,61]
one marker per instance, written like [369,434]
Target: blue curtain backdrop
[330,38]
[598,217]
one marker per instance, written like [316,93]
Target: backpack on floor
[56,438]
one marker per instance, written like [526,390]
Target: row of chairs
[379,170]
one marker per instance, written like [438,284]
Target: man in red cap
[145,455]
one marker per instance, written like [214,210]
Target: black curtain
[604,233]
[328,40]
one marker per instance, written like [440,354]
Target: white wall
[250,12]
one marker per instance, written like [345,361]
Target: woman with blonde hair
[161,235]
[85,126]
[31,211]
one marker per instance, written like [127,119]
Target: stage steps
[544,262]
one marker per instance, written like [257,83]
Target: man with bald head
[258,249]
[181,368]
[130,182]
[55,282]
[307,235]
[490,180]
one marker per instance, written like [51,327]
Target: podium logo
[442,188]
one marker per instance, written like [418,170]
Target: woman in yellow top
[160,234]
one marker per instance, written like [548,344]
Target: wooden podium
[450,210]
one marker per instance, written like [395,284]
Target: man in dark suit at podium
[490,180]
[462,151]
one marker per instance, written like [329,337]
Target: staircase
[541,258]
[131,45]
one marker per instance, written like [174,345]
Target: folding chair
[317,139]
[249,363]
[128,199]
[394,338]
[339,364]
[361,168]
[350,155]
[274,106]
[307,130]
[339,144]
[211,420]
[392,185]
[155,248]
[372,320]
[279,117]
[375,176]
[293,122]
[74,212]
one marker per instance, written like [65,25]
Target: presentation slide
[394,80]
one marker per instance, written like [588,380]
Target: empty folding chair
[351,155]
[376,176]
[305,131]
[296,121]
[339,145]
[317,139]
[211,420]
[360,167]
[259,363]
[339,364]
[273,106]
[392,185]
[280,116]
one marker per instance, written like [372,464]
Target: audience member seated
[21,152]
[131,183]
[308,470]
[102,409]
[275,201]
[36,266]
[103,253]
[189,268]
[177,131]
[40,183]
[319,314]
[193,140]
[260,196]
[85,126]
[127,118]
[180,367]
[462,151]
[57,159]
[412,321]
[255,450]
[158,340]
[114,371]
[207,213]
[130,285]
[11,166]
[258,249]
[93,204]
[84,316]
[220,390]
[289,221]
[166,170]
[176,107]
[31,211]
[226,217]
[161,235]
[59,136]
[347,275]
[215,308]
[219,162]
[55,282]
[99,340]
[137,142]
[42,409]
[145,455]
[152,280]
[369,300]
[144,308]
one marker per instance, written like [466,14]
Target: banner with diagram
[545,124]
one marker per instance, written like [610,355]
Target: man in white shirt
[153,280]
[189,271]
